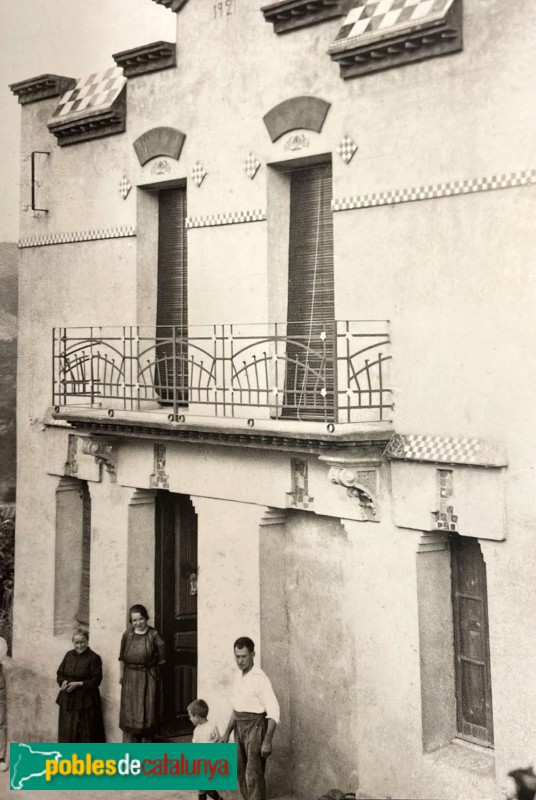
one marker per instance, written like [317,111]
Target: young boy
[204,733]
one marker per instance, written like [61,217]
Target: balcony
[289,376]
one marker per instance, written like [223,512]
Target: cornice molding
[173,5]
[290,441]
[287,15]
[147,58]
[41,88]
[374,37]
[93,126]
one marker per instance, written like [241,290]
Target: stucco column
[386,640]
[68,569]
[510,610]
[141,550]
[108,588]
[275,639]
[229,595]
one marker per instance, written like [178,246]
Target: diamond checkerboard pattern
[371,18]
[124,187]
[251,165]
[198,173]
[347,148]
[97,92]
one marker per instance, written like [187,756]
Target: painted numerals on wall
[224,8]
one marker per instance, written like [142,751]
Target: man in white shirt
[254,719]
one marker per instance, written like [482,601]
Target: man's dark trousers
[250,730]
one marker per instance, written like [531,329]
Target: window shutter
[83,605]
[172,302]
[311,304]
[172,297]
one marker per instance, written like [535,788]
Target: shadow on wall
[8,368]
[7,554]
[31,704]
[8,372]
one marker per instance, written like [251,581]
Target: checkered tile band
[445,450]
[232,218]
[79,236]
[432,191]
[371,20]
[95,93]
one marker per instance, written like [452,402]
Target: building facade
[275,380]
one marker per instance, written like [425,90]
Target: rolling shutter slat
[311,304]
[172,298]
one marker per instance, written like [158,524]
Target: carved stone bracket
[354,480]
[360,477]
[104,451]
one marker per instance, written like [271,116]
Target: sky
[63,37]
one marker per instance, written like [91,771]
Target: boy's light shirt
[205,733]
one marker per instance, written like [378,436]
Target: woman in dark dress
[79,677]
[141,655]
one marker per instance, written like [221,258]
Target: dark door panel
[471,641]
[176,606]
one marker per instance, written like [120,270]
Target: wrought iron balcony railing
[334,372]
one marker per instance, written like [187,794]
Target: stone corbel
[360,477]
[104,451]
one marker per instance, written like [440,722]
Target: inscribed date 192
[225,8]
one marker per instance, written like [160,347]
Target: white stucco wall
[453,275]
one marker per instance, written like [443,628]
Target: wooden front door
[176,606]
[471,641]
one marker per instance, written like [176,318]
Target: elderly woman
[141,655]
[79,677]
